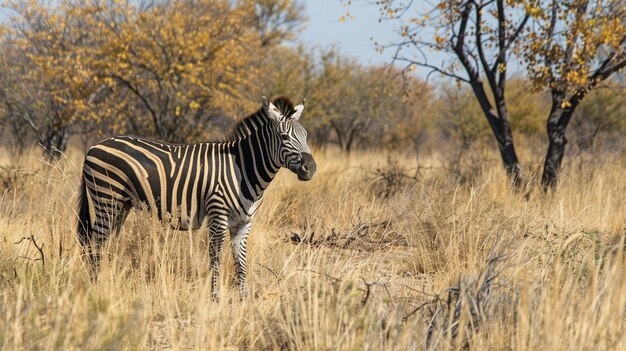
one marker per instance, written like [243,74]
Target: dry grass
[368,255]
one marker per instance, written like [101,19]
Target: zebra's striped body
[187,183]
[215,185]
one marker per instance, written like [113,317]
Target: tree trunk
[557,124]
[511,163]
[501,128]
[505,138]
[341,136]
[321,137]
[56,143]
[347,136]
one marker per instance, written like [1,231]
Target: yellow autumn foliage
[568,46]
[163,69]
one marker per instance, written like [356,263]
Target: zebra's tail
[84,220]
[85,231]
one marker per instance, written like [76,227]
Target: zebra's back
[172,180]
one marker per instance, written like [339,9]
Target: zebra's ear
[272,111]
[296,115]
[264,102]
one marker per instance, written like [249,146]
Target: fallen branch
[42,256]
[367,292]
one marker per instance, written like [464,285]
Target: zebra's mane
[258,119]
[284,105]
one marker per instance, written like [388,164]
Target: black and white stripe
[217,185]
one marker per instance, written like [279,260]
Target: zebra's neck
[256,157]
[249,125]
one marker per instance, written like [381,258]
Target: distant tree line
[185,71]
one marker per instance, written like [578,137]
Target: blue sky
[355,37]
[351,36]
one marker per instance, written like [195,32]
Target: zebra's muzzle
[308,167]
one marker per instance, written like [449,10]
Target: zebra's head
[293,152]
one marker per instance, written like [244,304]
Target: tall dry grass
[372,254]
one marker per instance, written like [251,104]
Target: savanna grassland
[373,253]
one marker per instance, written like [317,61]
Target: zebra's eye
[284,137]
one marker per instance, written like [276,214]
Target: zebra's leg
[217,230]
[121,217]
[239,237]
[109,217]
[98,235]
[91,248]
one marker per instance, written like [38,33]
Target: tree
[459,121]
[459,115]
[410,115]
[276,20]
[576,45]
[41,46]
[477,37]
[602,111]
[173,66]
[287,71]
[349,99]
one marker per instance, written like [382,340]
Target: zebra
[218,185]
